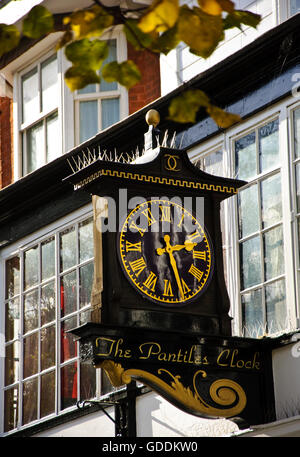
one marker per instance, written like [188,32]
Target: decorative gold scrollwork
[224,392]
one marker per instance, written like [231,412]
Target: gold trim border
[155,180]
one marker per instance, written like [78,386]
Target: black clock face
[165,253]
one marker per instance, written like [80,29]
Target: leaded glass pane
[30,396]
[245,157]
[253,314]
[12,277]
[248,211]
[31,267]
[11,402]
[68,294]
[68,243]
[47,347]
[48,387]
[68,385]
[273,253]
[30,358]
[12,319]
[68,344]
[213,163]
[268,146]
[86,247]
[297,133]
[48,258]
[35,147]
[48,303]
[271,200]
[250,259]
[86,274]
[276,306]
[88,119]
[297,170]
[31,317]
[87,381]
[294,6]
[12,362]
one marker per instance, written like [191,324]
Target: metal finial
[153,117]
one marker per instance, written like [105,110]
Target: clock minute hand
[169,250]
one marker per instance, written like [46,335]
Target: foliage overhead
[158,28]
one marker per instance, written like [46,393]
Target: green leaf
[161,16]
[9,38]
[135,36]
[201,31]
[38,22]
[183,109]
[66,38]
[90,22]
[125,73]
[166,41]
[238,17]
[87,53]
[222,118]
[78,77]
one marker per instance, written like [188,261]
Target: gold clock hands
[169,250]
[188,246]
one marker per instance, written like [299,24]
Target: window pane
[110,112]
[85,316]
[12,359]
[273,252]
[68,345]
[245,157]
[297,168]
[250,262]
[31,264]
[87,381]
[297,133]
[271,200]
[213,163]
[11,401]
[67,249]
[49,84]
[248,211]
[47,347]
[276,306]
[12,319]
[253,314]
[30,401]
[295,6]
[48,394]
[30,362]
[31,317]
[12,277]
[48,303]
[86,240]
[112,56]
[86,275]
[69,385]
[35,147]
[30,95]
[268,146]
[68,294]
[48,258]
[52,132]
[89,89]
[88,119]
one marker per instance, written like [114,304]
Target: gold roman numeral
[134,226]
[181,220]
[185,288]
[138,266]
[199,255]
[168,289]
[150,282]
[194,236]
[147,213]
[133,246]
[165,213]
[195,272]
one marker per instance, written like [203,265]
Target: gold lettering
[165,213]
[105,340]
[133,246]
[199,255]
[150,282]
[196,272]
[224,354]
[153,349]
[194,236]
[135,227]
[168,289]
[147,213]
[185,288]
[138,266]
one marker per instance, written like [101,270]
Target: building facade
[46,231]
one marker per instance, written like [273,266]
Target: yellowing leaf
[135,36]
[238,17]
[79,77]
[166,41]
[215,7]
[9,38]
[161,16]
[38,22]
[89,23]
[87,53]
[222,118]
[126,73]
[201,31]
[183,109]
[66,38]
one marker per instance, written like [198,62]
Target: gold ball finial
[152,117]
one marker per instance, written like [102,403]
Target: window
[98,105]
[47,292]
[260,231]
[39,116]
[294,7]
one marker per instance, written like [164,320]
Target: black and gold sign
[203,376]
[165,253]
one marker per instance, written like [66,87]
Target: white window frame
[284,10]
[120,93]
[18,248]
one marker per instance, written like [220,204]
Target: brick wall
[148,89]
[6,142]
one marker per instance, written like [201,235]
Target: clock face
[165,253]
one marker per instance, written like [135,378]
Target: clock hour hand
[188,246]
[169,250]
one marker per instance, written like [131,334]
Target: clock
[165,252]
